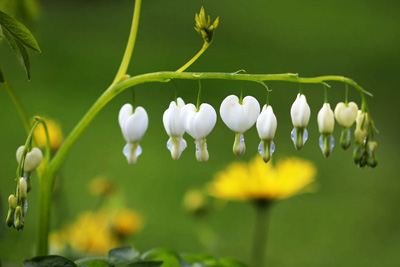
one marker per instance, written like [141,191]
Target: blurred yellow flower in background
[101,186]
[95,233]
[127,222]
[55,135]
[194,200]
[257,180]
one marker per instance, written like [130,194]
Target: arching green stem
[193,59]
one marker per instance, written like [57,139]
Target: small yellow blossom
[101,186]
[127,222]
[55,135]
[194,200]
[95,233]
[259,181]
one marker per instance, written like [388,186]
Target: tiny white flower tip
[346,114]
[132,151]
[171,119]
[300,112]
[198,124]
[266,123]
[32,158]
[239,117]
[133,125]
[326,120]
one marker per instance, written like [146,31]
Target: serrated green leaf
[19,31]
[1,77]
[123,254]
[52,261]
[20,51]
[145,264]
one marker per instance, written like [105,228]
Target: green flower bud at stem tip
[12,202]
[22,189]
[19,221]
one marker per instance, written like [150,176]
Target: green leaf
[19,31]
[1,76]
[93,263]
[123,254]
[169,257]
[1,32]
[20,51]
[50,261]
[145,264]
[227,262]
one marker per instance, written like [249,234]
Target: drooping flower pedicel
[239,116]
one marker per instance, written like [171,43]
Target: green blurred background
[353,219]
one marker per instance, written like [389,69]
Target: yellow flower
[194,200]
[260,181]
[95,233]
[127,222]
[101,186]
[55,135]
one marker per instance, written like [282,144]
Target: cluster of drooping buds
[18,204]
[240,114]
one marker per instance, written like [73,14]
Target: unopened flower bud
[371,158]
[326,123]
[22,188]
[300,113]
[32,158]
[19,219]
[346,114]
[12,205]
[362,127]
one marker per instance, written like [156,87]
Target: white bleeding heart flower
[239,116]
[32,158]
[198,124]
[174,128]
[133,127]
[266,128]
[300,113]
[326,123]
[346,114]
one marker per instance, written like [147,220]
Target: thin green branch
[130,45]
[193,59]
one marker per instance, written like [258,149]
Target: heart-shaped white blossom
[133,124]
[239,117]
[326,120]
[346,114]
[199,124]
[32,158]
[174,128]
[133,127]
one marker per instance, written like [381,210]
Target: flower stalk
[260,233]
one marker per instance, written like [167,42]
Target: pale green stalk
[191,61]
[130,45]
[260,233]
